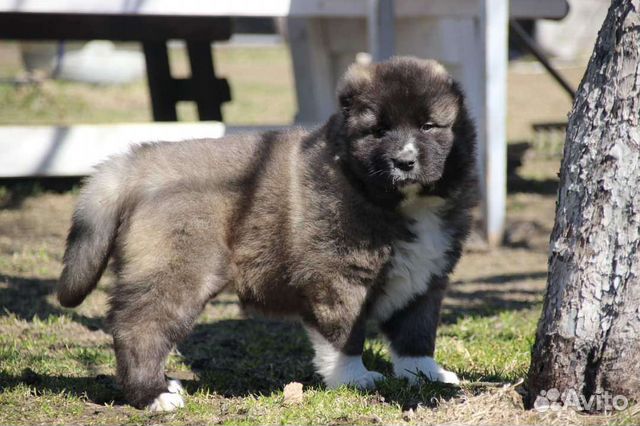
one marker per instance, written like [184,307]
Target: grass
[260,80]
[59,368]
[57,365]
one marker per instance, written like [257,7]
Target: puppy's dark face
[399,121]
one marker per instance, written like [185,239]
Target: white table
[485,83]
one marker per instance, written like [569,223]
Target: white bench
[54,151]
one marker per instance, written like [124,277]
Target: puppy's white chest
[415,262]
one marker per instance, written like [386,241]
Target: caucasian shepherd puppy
[362,219]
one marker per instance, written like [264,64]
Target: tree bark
[588,338]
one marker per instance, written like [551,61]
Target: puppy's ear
[437,70]
[357,78]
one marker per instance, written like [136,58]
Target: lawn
[57,365]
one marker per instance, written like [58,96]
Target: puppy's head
[400,120]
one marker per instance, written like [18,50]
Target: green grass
[57,366]
[260,78]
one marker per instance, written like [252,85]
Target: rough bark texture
[588,338]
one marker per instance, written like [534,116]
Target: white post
[381,28]
[311,57]
[492,141]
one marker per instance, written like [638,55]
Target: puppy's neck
[411,192]
[418,202]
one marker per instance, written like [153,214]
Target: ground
[57,365]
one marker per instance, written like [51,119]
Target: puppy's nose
[405,160]
[404,165]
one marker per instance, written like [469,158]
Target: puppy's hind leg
[147,320]
[141,361]
[170,263]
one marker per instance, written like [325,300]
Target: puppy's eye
[428,126]
[379,131]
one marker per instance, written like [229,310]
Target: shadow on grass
[27,299]
[248,356]
[506,278]
[488,302]
[103,389]
[240,357]
[237,358]
[517,184]
[516,152]
[14,191]
[100,389]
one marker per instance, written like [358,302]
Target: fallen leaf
[293,393]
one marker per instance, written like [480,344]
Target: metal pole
[530,44]
[381,27]
[494,24]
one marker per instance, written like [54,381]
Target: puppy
[361,219]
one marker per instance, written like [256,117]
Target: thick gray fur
[301,224]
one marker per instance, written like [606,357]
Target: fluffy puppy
[361,219]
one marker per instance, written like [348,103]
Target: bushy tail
[93,231]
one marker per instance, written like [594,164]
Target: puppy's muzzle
[405,159]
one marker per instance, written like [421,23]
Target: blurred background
[271,72]
[104,82]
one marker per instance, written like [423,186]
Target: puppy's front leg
[412,334]
[339,362]
[337,332]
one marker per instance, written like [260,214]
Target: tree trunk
[588,341]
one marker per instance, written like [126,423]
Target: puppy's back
[229,166]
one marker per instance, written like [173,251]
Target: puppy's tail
[93,230]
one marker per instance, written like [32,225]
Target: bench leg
[209,92]
[161,84]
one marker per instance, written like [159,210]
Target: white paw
[166,401]
[411,367]
[446,376]
[349,370]
[367,380]
[337,368]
